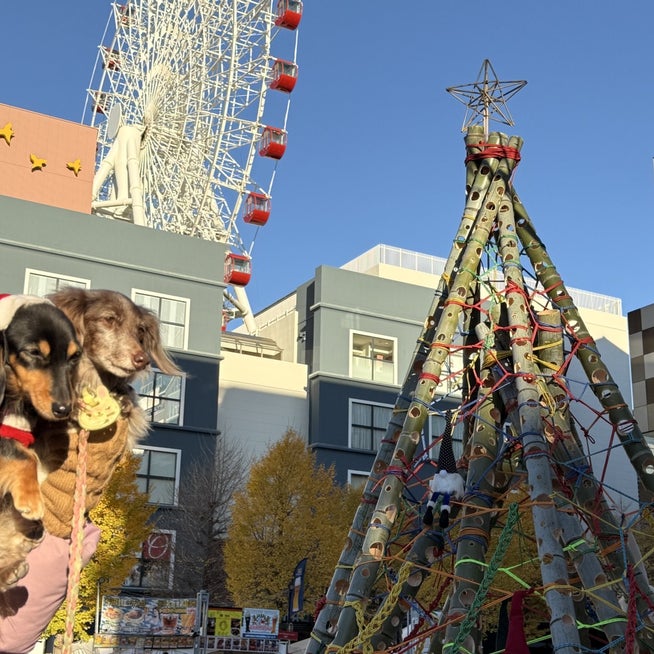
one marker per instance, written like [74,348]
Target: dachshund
[40,353]
[120,340]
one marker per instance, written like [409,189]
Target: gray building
[180,278]
[355,329]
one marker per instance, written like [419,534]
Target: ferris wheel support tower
[178,96]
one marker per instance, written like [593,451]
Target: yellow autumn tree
[122,516]
[290,509]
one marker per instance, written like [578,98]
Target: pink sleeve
[30,605]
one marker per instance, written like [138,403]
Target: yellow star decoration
[37,162]
[7,133]
[75,166]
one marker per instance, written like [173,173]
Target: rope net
[541,431]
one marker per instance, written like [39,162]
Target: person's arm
[27,608]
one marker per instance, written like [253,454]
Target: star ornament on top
[486,98]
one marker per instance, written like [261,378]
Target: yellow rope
[374,626]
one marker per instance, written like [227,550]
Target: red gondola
[238,269]
[257,209]
[125,13]
[284,76]
[100,103]
[289,14]
[273,143]
[111,58]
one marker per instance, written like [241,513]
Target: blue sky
[375,149]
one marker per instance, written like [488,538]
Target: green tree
[290,509]
[123,517]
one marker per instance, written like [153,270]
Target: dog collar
[23,436]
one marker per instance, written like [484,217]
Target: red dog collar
[21,435]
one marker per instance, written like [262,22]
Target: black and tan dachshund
[40,353]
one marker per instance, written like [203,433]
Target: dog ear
[9,304]
[73,302]
[152,343]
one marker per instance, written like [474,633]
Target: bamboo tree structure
[502,301]
[478,183]
[386,510]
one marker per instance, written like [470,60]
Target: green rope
[471,615]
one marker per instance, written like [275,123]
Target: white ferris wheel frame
[178,94]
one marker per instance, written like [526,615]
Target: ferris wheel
[178,94]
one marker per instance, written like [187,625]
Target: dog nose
[140,360]
[61,410]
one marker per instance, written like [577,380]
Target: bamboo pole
[386,510]
[589,495]
[557,588]
[482,489]
[579,550]
[480,172]
[602,383]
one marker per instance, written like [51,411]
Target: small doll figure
[446,483]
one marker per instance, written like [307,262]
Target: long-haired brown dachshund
[40,353]
[120,340]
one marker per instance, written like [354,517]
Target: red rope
[630,634]
[493,151]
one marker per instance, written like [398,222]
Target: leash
[98,409]
[76,541]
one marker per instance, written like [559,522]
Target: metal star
[75,166]
[486,98]
[7,133]
[37,162]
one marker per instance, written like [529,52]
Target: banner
[224,621]
[260,623]
[147,616]
[296,593]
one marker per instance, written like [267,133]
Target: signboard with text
[224,621]
[147,616]
[260,623]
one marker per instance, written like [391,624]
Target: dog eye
[109,320]
[33,352]
[74,358]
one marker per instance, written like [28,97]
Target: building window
[161,397]
[154,568]
[173,313]
[368,424]
[357,479]
[158,474]
[41,283]
[373,357]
